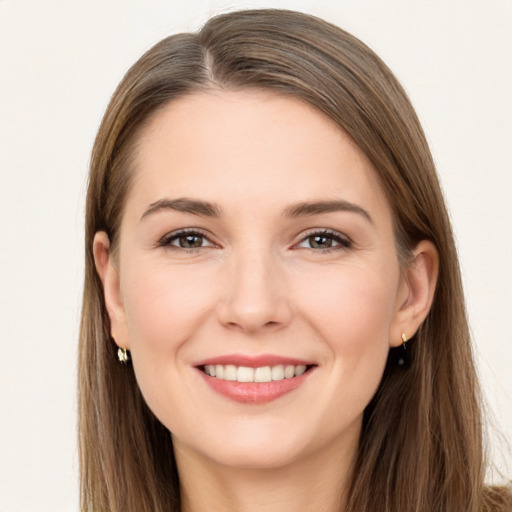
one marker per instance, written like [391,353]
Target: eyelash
[167,240]
[343,242]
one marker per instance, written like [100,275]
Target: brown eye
[190,241]
[320,242]
[325,240]
[185,240]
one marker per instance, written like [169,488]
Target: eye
[185,239]
[325,240]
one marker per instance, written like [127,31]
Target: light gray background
[59,63]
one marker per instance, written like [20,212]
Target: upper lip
[253,361]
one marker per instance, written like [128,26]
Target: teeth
[245,374]
[299,370]
[277,372]
[230,372]
[289,372]
[261,374]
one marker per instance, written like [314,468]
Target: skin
[258,284]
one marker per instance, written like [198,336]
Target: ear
[416,292]
[109,276]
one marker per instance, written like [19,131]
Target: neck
[316,482]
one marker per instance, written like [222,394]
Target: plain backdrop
[59,64]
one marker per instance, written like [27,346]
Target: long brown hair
[421,444]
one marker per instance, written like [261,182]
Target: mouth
[254,380]
[261,374]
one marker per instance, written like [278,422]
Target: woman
[265,234]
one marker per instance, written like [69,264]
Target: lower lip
[254,392]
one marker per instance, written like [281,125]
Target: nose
[255,298]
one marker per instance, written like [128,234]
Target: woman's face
[256,243]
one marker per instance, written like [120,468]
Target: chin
[254,456]
[259,445]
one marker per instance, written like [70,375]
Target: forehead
[249,147]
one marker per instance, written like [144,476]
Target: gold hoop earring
[405,339]
[123,355]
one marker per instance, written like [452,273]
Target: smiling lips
[254,380]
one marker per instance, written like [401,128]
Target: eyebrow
[319,207]
[185,205]
[207,209]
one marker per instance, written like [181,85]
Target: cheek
[353,307]
[351,317]
[163,306]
